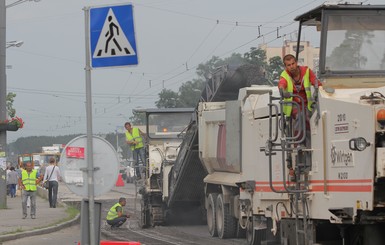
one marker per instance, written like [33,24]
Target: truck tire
[211,214]
[240,233]
[226,224]
[254,237]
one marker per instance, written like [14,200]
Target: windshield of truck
[355,42]
[168,125]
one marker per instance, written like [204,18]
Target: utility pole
[3,101]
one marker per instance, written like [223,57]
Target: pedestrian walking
[52,175]
[28,182]
[12,180]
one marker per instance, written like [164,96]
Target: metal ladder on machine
[289,145]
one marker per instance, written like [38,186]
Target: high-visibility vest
[135,136]
[287,107]
[29,180]
[112,214]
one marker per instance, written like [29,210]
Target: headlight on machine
[381,117]
[358,144]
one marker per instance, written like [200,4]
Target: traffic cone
[120,181]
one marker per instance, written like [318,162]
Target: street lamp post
[3,97]
[3,100]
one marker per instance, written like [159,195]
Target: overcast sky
[47,71]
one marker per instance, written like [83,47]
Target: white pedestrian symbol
[112,41]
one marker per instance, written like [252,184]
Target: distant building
[308,55]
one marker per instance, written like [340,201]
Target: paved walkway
[48,219]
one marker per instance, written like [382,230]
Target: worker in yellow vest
[28,182]
[134,138]
[115,216]
[297,80]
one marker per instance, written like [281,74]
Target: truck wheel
[211,213]
[226,224]
[240,233]
[254,237]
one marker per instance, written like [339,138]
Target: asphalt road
[70,236]
[160,235]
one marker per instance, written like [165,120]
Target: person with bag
[51,182]
[28,182]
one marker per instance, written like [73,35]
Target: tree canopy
[9,102]
[189,92]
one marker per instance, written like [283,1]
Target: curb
[4,238]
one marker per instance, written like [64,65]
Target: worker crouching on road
[116,216]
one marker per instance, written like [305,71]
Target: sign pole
[90,163]
[3,102]
[110,37]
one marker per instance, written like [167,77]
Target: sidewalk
[49,220]
[12,226]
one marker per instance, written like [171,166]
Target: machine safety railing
[288,143]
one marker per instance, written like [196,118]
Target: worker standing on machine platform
[297,80]
[135,141]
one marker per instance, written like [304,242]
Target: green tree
[138,118]
[167,99]
[10,99]
[256,56]
[274,70]
[205,69]
[190,92]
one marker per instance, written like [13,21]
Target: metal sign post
[109,42]
[90,163]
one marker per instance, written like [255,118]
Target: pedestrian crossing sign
[112,36]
